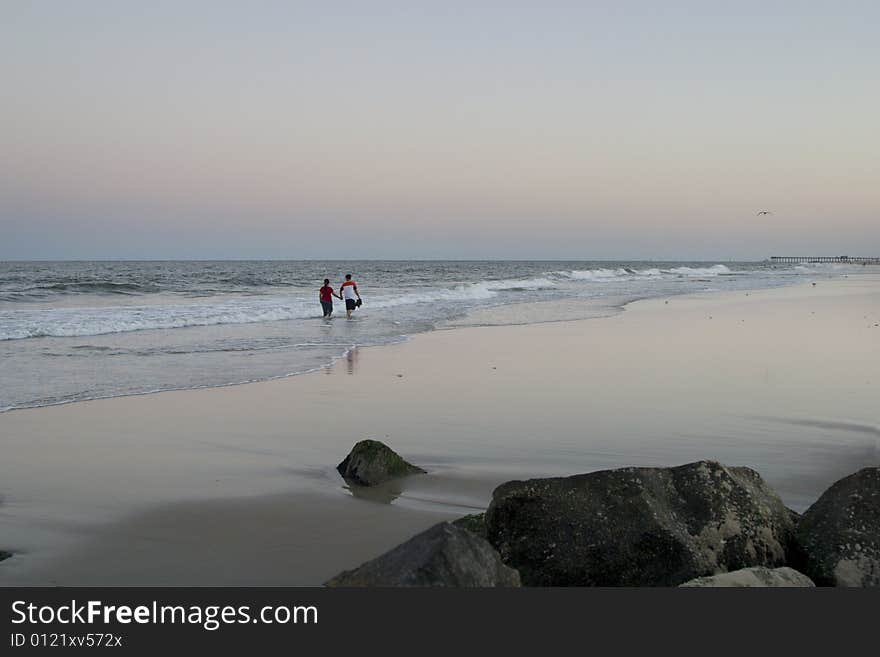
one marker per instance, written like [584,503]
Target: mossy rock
[838,539]
[372,462]
[474,523]
[639,526]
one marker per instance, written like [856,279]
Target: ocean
[73,331]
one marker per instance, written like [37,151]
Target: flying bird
[763,212]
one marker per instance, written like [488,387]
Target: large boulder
[444,555]
[372,462]
[755,577]
[638,526]
[838,538]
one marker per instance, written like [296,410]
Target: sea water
[73,331]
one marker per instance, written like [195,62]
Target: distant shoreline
[346,260]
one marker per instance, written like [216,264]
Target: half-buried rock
[756,577]
[372,462]
[444,555]
[838,538]
[638,526]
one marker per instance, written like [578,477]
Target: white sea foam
[81,322]
[605,275]
[489,289]
[77,322]
[825,267]
[714,270]
[596,274]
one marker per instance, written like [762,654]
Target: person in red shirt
[326,294]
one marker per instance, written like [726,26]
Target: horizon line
[269,259]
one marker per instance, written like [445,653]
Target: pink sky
[201,130]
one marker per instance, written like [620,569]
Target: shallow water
[83,330]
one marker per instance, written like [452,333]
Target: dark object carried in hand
[358,303]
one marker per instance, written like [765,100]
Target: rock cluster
[700,524]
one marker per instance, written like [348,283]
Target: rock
[838,538]
[758,576]
[371,462]
[475,523]
[4,555]
[444,555]
[638,526]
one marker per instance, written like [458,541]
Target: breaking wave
[81,322]
[715,270]
[626,273]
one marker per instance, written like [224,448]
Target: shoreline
[181,465]
[602,309]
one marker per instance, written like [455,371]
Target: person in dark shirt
[326,294]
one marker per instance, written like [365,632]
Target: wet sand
[236,486]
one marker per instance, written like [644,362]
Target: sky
[581,130]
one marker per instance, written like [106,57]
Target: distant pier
[851,260]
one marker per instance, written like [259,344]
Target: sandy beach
[237,486]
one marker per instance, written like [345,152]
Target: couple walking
[349,293]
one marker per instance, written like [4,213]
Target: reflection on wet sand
[384,493]
[351,359]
